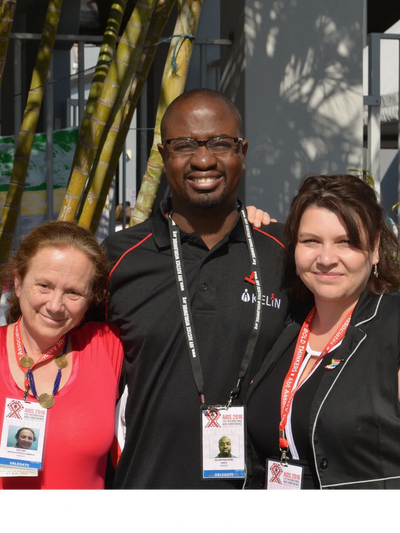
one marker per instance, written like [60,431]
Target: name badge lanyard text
[187,317]
[289,389]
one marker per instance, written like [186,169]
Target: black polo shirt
[162,448]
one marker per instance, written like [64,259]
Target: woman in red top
[50,367]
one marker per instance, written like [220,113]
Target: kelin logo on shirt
[269,301]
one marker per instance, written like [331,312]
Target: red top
[80,425]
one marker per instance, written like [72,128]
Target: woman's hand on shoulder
[258,217]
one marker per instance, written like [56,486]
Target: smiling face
[203,180]
[54,294]
[25,439]
[327,264]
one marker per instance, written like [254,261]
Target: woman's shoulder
[371,306]
[391,302]
[101,339]
[91,330]
[395,294]
[391,299]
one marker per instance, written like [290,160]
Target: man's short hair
[197,94]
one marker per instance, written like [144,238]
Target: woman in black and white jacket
[325,404]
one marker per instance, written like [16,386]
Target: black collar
[364,310]
[161,230]
[366,307]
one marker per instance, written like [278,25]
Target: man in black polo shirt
[204,158]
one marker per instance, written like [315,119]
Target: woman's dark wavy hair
[56,234]
[355,202]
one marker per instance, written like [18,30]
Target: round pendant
[46,400]
[26,361]
[61,361]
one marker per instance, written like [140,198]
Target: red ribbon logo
[276,471]
[15,407]
[212,417]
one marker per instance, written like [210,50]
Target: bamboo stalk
[104,154]
[106,55]
[28,128]
[173,84]
[114,94]
[110,155]
[7,9]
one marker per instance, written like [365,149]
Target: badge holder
[223,432]
[223,442]
[281,475]
[22,438]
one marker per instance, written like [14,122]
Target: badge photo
[223,442]
[22,436]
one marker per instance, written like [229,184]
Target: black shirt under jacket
[162,448]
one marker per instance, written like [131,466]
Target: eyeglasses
[217,145]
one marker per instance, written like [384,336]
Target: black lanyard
[186,311]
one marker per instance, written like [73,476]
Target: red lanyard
[289,389]
[22,356]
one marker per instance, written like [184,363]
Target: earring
[376,271]
[297,273]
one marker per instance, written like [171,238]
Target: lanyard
[25,362]
[289,389]
[186,311]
